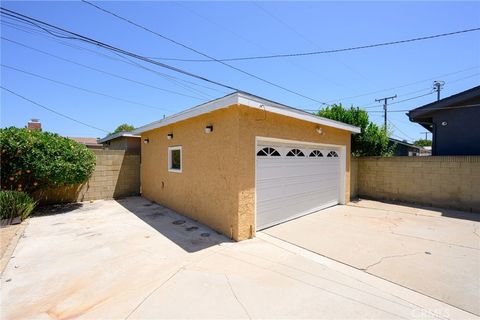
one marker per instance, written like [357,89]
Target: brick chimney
[34,124]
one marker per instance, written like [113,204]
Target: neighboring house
[453,122]
[90,143]
[403,148]
[426,151]
[242,163]
[123,140]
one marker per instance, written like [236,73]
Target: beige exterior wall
[116,175]
[207,187]
[445,182]
[217,183]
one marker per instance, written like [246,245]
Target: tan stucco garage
[208,162]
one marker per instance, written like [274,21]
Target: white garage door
[294,180]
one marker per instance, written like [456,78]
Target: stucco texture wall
[217,183]
[207,187]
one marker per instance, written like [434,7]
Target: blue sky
[230,29]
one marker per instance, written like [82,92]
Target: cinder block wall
[447,182]
[116,175]
[353,178]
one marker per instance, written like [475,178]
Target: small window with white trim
[332,154]
[175,159]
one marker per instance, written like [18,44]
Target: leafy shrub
[15,204]
[33,160]
[372,141]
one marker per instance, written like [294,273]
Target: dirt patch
[9,236]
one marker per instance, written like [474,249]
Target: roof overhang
[118,135]
[424,113]
[249,100]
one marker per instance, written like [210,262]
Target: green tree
[423,143]
[372,141]
[124,127]
[33,160]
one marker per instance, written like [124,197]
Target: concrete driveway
[432,251]
[137,260]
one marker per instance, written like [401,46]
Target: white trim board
[251,101]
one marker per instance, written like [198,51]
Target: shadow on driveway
[418,209]
[187,233]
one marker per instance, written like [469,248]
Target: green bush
[372,141]
[33,160]
[15,204]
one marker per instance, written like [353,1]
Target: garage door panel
[287,187]
[287,190]
[266,172]
[301,201]
[271,217]
[293,179]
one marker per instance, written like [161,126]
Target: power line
[406,135]
[52,110]
[163,75]
[438,86]
[434,109]
[75,36]
[81,89]
[264,49]
[369,106]
[101,71]
[300,54]
[200,53]
[292,29]
[405,85]
[385,105]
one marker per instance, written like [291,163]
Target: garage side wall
[207,188]
[253,123]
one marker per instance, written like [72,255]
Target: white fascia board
[221,103]
[250,101]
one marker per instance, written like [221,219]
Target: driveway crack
[154,290]
[475,230]
[437,241]
[390,257]
[236,297]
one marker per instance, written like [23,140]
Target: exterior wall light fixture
[146,140]
[170,136]
[208,129]
[319,130]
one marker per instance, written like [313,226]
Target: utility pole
[385,103]
[426,134]
[438,86]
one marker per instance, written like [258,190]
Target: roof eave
[248,100]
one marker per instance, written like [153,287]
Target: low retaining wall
[447,182]
[116,175]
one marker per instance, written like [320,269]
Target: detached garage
[242,163]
